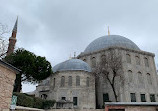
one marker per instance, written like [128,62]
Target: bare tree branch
[110,68]
[3,41]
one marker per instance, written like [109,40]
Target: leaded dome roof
[110,41]
[72,65]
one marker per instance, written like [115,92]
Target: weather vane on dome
[108,31]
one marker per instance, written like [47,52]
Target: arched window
[77,80]
[93,62]
[62,81]
[87,82]
[146,62]
[140,78]
[137,60]
[130,75]
[70,81]
[128,58]
[149,78]
[54,82]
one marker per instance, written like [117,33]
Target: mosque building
[73,84]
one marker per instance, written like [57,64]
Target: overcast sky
[57,28]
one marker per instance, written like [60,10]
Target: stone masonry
[128,87]
[7,77]
[86,95]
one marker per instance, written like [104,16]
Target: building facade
[8,74]
[138,72]
[7,77]
[72,85]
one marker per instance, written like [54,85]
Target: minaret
[12,39]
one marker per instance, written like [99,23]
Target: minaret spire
[14,31]
[108,31]
[12,39]
[15,26]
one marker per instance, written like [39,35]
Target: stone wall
[76,110]
[141,108]
[21,108]
[134,108]
[7,77]
[128,106]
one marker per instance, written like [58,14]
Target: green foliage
[48,103]
[24,100]
[38,103]
[33,68]
[33,102]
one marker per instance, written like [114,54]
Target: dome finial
[108,31]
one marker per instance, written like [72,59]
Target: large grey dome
[72,64]
[110,41]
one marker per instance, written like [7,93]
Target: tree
[3,41]
[110,68]
[33,68]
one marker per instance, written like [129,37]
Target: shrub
[24,100]
[38,103]
[33,102]
[47,104]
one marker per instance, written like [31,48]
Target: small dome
[110,41]
[72,65]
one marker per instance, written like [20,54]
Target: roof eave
[10,66]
